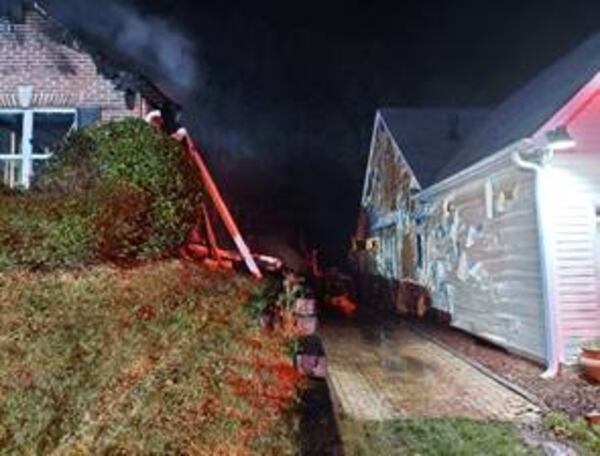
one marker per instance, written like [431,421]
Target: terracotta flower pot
[306,325]
[591,364]
[593,353]
[593,418]
[312,365]
[305,316]
[305,307]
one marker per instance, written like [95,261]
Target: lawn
[163,358]
[575,431]
[432,437]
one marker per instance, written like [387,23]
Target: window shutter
[88,116]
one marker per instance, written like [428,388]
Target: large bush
[117,191]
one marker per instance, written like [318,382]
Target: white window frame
[27,156]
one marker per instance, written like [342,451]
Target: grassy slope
[163,357]
[432,437]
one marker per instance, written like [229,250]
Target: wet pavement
[390,371]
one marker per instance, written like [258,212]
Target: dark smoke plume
[154,44]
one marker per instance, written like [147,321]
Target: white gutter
[552,345]
[513,152]
[481,165]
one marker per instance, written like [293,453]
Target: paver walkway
[396,373]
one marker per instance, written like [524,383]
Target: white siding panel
[502,302]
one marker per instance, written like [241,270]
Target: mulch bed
[569,392]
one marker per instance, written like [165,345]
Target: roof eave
[572,108]
[481,166]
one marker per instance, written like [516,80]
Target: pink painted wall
[575,229]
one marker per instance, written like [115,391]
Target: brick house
[52,82]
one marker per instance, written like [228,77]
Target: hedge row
[117,191]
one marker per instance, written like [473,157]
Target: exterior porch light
[560,139]
[24,96]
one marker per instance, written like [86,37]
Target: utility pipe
[552,342]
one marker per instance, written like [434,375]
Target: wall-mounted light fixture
[560,139]
[25,96]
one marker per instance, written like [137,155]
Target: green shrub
[117,191]
[586,437]
[123,225]
[47,231]
[73,168]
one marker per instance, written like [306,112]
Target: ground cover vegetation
[113,192]
[433,437]
[109,344]
[163,358]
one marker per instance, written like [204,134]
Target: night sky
[284,93]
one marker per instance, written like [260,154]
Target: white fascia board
[522,146]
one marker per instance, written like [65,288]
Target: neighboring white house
[493,212]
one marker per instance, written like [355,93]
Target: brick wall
[60,75]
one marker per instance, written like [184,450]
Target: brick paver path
[399,374]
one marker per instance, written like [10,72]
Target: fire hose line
[182,136]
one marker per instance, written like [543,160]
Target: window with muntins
[27,138]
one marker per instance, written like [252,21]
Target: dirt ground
[569,392]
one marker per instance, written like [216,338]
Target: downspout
[552,343]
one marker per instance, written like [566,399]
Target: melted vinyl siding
[575,195]
[387,206]
[499,297]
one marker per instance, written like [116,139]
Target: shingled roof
[440,142]
[522,114]
[430,137]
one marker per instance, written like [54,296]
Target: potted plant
[590,359]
